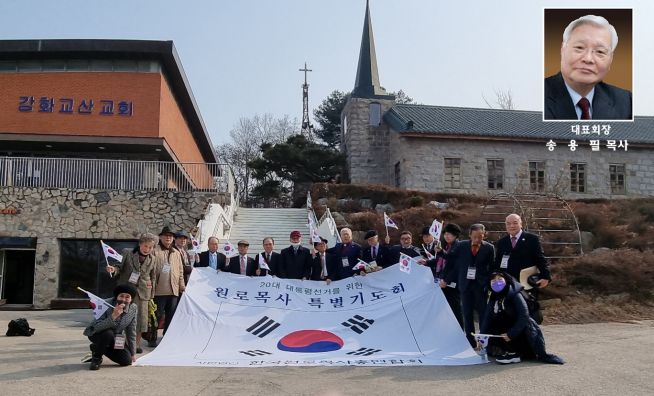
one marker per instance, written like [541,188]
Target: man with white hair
[348,254]
[519,250]
[577,92]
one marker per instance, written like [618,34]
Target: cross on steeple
[307,128]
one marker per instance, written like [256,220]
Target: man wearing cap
[270,258]
[375,251]
[114,333]
[296,259]
[212,257]
[189,258]
[241,264]
[347,252]
[324,265]
[169,277]
[519,250]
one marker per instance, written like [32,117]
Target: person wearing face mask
[507,315]
[114,333]
[296,259]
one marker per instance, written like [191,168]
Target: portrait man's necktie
[584,105]
[514,240]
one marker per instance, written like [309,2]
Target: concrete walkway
[603,359]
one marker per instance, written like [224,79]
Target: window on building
[102,65]
[29,66]
[125,65]
[77,65]
[82,264]
[375,114]
[54,65]
[452,172]
[537,176]
[495,174]
[578,178]
[397,174]
[8,66]
[617,176]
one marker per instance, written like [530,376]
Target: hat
[370,234]
[425,231]
[452,229]
[125,288]
[166,230]
[182,233]
[295,234]
[243,242]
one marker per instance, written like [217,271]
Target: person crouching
[507,315]
[114,333]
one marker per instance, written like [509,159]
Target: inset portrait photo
[588,64]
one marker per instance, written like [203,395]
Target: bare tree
[503,100]
[247,136]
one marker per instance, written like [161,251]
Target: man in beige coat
[138,269]
[169,279]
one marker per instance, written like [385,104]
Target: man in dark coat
[348,254]
[406,247]
[296,259]
[324,265]
[271,259]
[519,250]
[375,251]
[472,260]
[241,263]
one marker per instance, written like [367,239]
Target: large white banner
[387,318]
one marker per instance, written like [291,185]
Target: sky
[242,57]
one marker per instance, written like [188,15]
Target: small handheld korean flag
[195,244]
[110,253]
[482,339]
[405,263]
[361,265]
[388,222]
[228,250]
[262,262]
[436,229]
[98,304]
[315,237]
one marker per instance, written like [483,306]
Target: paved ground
[603,359]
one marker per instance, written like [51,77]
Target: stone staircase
[254,224]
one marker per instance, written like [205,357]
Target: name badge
[119,342]
[346,262]
[472,271]
[134,278]
[505,262]
[166,268]
[452,285]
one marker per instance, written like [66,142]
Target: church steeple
[367,81]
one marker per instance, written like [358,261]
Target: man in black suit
[375,251]
[348,254]
[323,265]
[241,263]
[519,250]
[295,259]
[428,244]
[472,260]
[272,259]
[406,247]
[578,92]
[212,257]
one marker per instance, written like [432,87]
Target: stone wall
[50,214]
[422,166]
[366,147]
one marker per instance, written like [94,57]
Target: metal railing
[105,174]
